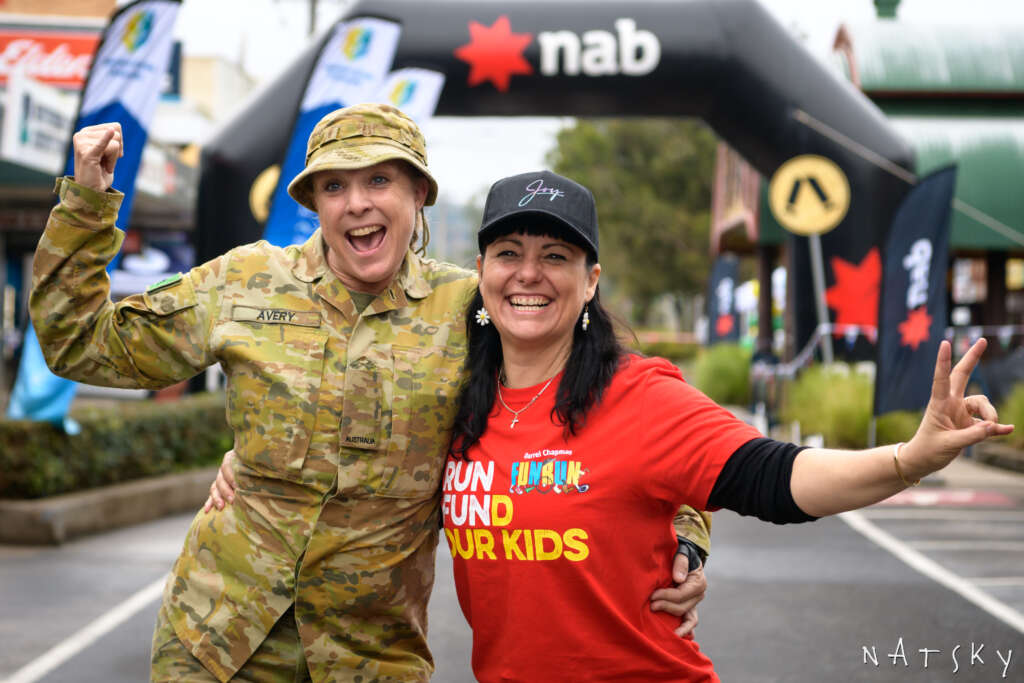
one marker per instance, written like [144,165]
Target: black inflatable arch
[726,61]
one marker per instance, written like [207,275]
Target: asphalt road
[806,603]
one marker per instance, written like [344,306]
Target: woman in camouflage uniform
[343,357]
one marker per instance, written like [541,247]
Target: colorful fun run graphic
[481,524]
[547,475]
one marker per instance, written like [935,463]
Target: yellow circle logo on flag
[137,31]
[261,192]
[809,195]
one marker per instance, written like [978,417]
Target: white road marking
[955,515]
[997,581]
[86,636]
[934,571]
[954,545]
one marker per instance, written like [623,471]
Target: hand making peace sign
[951,421]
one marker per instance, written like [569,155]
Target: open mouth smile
[367,238]
[528,303]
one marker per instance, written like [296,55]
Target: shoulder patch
[164,284]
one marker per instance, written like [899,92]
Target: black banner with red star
[723,321]
[913,309]
[853,265]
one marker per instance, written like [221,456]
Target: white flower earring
[586,317]
[482,317]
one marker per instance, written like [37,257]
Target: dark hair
[593,360]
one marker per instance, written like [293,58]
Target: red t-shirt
[558,544]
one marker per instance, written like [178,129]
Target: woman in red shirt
[567,447]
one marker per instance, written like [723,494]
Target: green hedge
[1012,412]
[836,403]
[677,352]
[127,441]
[722,372]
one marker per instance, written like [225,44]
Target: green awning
[895,57]
[25,187]
[989,153]
[23,183]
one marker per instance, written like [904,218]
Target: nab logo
[600,53]
[357,43]
[137,31]
[402,93]
[495,53]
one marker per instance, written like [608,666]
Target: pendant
[515,419]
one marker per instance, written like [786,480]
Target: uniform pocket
[362,417]
[425,391]
[176,296]
[274,373]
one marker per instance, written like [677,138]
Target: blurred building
[45,52]
[453,232]
[957,95]
[90,9]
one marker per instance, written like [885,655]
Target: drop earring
[586,317]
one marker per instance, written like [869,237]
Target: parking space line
[943,514]
[86,636]
[934,571]
[968,544]
[997,581]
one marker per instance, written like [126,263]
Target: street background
[798,603]
[927,586]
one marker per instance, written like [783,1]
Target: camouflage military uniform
[694,526]
[341,423]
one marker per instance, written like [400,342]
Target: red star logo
[854,296]
[723,326]
[914,331]
[495,53]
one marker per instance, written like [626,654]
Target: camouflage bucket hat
[357,137]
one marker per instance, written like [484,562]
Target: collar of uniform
[410,277]
[312,261]
[311,265]
[408,284]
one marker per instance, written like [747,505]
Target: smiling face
[534,288]
[367,217]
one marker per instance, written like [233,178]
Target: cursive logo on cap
[537,188]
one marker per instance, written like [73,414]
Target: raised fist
[97,149]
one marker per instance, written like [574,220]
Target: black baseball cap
[540,195]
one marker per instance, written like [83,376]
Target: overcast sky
[266,34]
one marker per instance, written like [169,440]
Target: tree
[652,181]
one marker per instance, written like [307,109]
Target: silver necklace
[515,413]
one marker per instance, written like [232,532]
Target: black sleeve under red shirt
[755,481]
